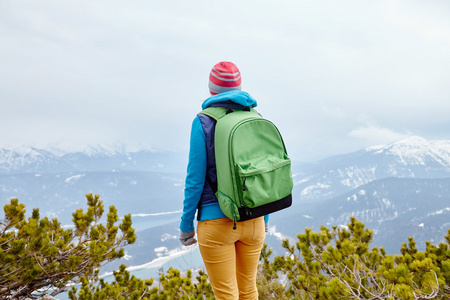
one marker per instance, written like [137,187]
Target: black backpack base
[246,213]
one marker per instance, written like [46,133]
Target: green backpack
[253,169]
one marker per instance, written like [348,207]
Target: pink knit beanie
[224,77]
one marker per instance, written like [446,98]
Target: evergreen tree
[172,285]
[40,257]
[338,264]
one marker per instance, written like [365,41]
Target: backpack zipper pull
[243,184]
[234,219]
[248,212]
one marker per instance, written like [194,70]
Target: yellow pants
[231,256]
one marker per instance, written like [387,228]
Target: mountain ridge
[411,158]
[36,160]
[394,208]
[415,149]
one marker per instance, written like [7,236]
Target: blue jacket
[197,192]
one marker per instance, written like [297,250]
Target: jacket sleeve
[195,178]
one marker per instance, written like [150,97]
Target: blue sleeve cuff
[187,226]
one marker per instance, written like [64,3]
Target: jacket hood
[236,96]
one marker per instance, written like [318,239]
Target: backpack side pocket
[228,207]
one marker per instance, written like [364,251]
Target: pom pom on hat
[224,77]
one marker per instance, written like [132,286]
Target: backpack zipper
[233,172]
[247,211]
[230,154]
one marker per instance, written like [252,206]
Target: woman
[230,256]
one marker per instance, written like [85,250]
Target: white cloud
[376,135]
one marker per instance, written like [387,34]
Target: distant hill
[395,208]
[411,158]
[398,190]
[56,182]
[32,160]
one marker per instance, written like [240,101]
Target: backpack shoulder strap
[214,112]
[217,112]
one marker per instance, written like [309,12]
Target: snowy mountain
[411,158]
[56,182]
[32,160]
[395,208]
[398,190]
[29,159]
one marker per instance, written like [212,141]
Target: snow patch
[273,231]
[352,197]
[158,262]
[301,181]
[439,212]
[312,188]
[386,203]
[75,177]
[161,251]
[127,256]
[167,236]
[157,214]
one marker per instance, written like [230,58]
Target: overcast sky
[334,76]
